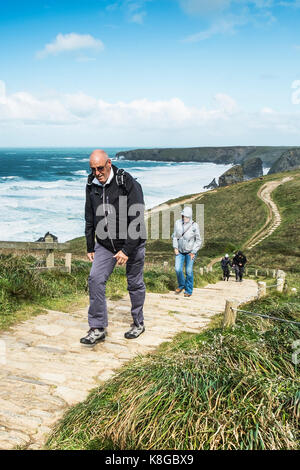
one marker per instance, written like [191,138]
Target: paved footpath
[46,369]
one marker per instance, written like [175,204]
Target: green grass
[25,292]
[282,248]
[219,389]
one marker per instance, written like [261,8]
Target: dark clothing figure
[103,207]
[238,263]
[226,264]
[97,211]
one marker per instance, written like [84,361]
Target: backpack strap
[121,179]
[186,230]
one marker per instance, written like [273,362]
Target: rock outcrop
[253,167]
[212,185]
[289,160]
[231,176]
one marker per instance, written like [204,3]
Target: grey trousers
[102,267]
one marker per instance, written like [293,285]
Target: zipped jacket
[225,263]
[239,260]
[186,237]
[113,224]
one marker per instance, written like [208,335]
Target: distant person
[186,243]
[238,263]
[226,264]
[105,186]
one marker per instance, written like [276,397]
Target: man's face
[101,167]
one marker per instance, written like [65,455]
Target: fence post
[267,272]
[262,289]
[230,313]
[165,265]
[211,269]
[274,273]
[68,262]
[246,271]
[256,273]
[50,259]
[280,284]
[201,271]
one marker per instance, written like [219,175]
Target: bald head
[100,160]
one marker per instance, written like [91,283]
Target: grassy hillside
[282,248]
[219,389]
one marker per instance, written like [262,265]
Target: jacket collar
[112,175]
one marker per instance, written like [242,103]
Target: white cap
[187,212]
[226,256]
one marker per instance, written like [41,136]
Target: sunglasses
[98,168]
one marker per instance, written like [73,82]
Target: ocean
[43,189]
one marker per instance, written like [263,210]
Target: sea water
[43,189]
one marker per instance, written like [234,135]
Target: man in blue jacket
[114,213]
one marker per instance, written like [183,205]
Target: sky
[149,73]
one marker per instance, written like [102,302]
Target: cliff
[231,176]
[225,155]
[253,167]
[289,160]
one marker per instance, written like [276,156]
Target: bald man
[115,234]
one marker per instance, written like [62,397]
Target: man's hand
[91,256]
[121,258]
[192,255]
[176,251]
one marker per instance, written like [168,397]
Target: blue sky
[150,73]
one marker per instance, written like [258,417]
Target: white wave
[30,208]
[80,172]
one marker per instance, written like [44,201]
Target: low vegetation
[219,389]
[24,291]
[282,248]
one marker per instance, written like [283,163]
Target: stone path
[45,369]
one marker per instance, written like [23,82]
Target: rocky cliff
[231,176]
[289,160]
[253,167]
[225,155]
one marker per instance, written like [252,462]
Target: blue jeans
[186,283]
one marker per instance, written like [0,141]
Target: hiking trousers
[239,271]
[102,267]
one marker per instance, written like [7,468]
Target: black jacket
[225,263]
[239,259]
[97,213]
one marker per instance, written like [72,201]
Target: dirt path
[166,207]
[273,218]
[44,369]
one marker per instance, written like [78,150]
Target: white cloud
[79,116]
[138,17]
[204,6]
[226,16]
[208,7]
[223,26]
[70,42]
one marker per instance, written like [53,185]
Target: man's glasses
[99,168]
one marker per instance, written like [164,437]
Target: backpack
[121,180]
